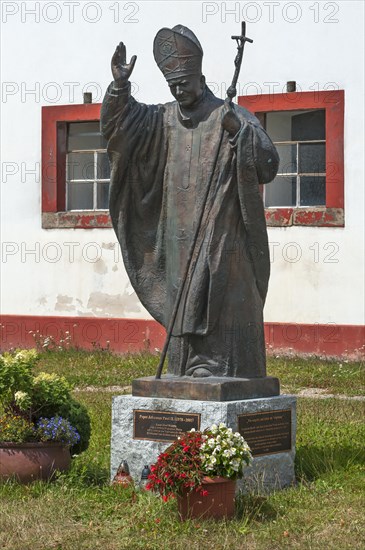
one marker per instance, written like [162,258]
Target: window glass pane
[103,196]
[288,159]
[80,196]
[278,125]
[312,191]
[281,192]
[80,166]
[85,135]
[312,158]
[296,125]
[309,125]
[103,168]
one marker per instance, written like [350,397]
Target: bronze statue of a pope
[162,159]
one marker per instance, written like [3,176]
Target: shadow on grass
[86,474]
[254,508]
[311,462]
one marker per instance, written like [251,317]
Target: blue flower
[57,429]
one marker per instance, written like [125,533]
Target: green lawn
[81,511]
[103,369]
[337,377]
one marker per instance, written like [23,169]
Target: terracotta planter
[30,461]
[218,504]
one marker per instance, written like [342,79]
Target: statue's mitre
[177,52]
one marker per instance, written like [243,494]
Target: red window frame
[332,214]
[54,148]
[54,134]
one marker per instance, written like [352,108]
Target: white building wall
[317,273]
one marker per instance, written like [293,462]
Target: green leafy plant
[16,373]
[16,429]
[30,397]
[79,417]
[183,465]
[49,392]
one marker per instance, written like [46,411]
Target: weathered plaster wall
[317,273]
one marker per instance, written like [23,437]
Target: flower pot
[219,503]
[30,461]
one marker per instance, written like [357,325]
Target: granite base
[270,471]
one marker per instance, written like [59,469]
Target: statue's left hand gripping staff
[230,121]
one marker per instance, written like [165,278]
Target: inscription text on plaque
[163,425]
[266,432]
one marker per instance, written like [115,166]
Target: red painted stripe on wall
[133,335]
[119,335]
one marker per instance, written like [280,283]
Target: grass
[330,437]
[337,377]
[81,510]
[99,368]
[102,369]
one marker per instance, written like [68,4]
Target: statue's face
[188,89]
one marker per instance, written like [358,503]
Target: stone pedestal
[141,431]
[212,388]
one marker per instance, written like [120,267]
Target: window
[299,137]
[87,167]
[307,129]
[75,168]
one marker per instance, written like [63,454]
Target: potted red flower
[201,469]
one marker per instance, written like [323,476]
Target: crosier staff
[190,264]
[241,40]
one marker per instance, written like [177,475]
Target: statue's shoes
[201,372]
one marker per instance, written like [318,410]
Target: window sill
[311,216]
[275,217]
[87,219]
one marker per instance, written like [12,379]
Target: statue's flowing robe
[161,166]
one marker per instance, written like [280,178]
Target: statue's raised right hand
[120,69]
